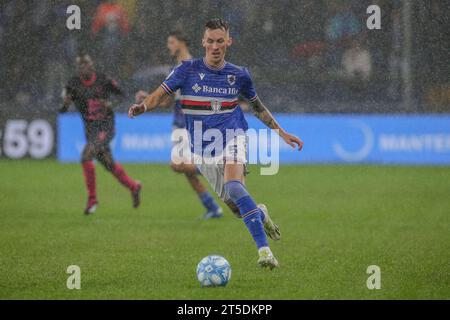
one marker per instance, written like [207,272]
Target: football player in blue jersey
[209,88]
[178,46]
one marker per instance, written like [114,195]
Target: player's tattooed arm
[262,113]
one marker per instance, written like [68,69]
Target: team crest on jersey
[201,75]
[216,105]
[231,79]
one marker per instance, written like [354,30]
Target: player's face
[216,43]
[173,44]
[85,65]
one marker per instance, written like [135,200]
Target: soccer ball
[213,271]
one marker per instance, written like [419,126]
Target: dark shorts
[100,133]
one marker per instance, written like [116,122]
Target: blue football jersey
[210,95]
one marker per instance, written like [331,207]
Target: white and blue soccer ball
[213,271]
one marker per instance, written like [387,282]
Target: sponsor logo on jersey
[201,75]
[208,89]
[196,88]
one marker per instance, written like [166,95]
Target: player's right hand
[135,110]
[140,96]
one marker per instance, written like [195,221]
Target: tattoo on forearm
[262,113]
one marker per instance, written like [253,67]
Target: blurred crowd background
[305,55]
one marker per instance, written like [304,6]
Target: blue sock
[208,201]
[250,213]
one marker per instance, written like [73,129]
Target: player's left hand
[292,140]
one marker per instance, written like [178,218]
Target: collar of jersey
[213,68]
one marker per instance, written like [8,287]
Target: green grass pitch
[335,222]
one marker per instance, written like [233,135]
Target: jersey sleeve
[176,78]
[247,89]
